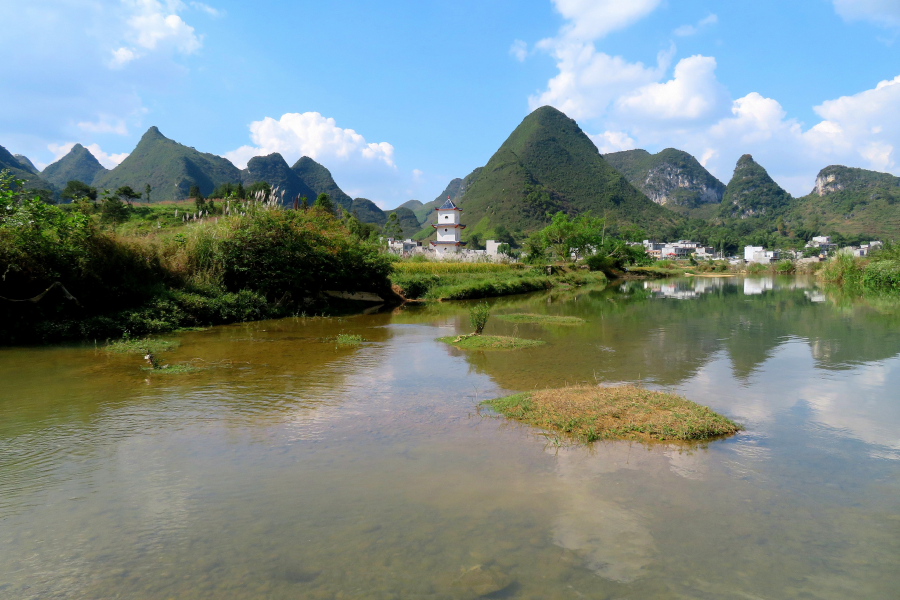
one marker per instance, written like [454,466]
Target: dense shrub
[883,275]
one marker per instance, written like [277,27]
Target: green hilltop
[274,170]
[26,163]
[409,223]
[33,181]
[547,165]
[320,181]
[367,211]
[78,165]
[752,192]
[170,168]
[672,178]
[853,202]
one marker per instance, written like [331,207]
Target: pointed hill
[852,202]
[454,190]
[411,205]
[751,192]
[33,181]
[26,163]
[547,165]
[409,223]
[367,211]
[79,165]
[274,170]
[320,181]
[170,168]
[672,178]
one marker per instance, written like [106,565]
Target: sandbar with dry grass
[589,413]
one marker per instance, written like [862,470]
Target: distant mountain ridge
[20,171]
[78,165]
[669,178]
[26,163]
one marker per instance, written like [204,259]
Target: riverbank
[71,275]
[440,281]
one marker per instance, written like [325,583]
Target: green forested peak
[319,179]
[752,191]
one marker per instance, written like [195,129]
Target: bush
[842,269]
[478,316]
[882,275]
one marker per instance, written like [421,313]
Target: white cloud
[693,93]
[588,81]
[105,124]
[152,26]
[416,173]
[612,141]
[310,134]
[881,12]
[121,57]
[213,12]
[519,50]
[107,160]
[593,19]
[687,30]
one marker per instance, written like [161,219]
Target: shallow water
[287,467]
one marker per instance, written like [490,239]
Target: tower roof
[447,205]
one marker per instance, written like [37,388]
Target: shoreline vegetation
[589,413]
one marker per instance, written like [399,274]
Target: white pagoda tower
[448,228]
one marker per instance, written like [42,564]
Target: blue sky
[397,98]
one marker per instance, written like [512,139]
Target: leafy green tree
[257,187]
[503,236]
[76,189]
[535,248]
[475,242]
[148,189]
[194,192]
[325,203]
[240,192]
[560,235]
[112,209]
[392,228]
[304,203]
[126,194]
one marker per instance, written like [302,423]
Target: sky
[398,98]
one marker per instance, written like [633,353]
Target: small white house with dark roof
[448,228]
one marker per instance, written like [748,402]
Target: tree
[76,189]
[239,191]
[559,235]
[148,189]
[503,236]
[199,203]
[304,203]
[112,209]
[194,192]
[126,194]
[587,236]
[257,187]
[535,248]
[325,203]
[392,228]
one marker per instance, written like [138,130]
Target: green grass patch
[489,342]
[541,319]
[346,339]
[474,285]
[590,413]
[141,346]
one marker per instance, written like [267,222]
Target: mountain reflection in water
[291,467]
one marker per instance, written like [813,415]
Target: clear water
[289,468]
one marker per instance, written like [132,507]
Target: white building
[448,228]
[758,254]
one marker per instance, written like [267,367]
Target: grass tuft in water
[141,346]
[541,319]
[489,342]
[177,369]
[346,339]
[590,413]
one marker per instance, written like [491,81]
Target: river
[287,466]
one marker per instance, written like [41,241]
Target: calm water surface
[289,468]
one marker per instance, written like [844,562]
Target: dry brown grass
[589,413]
